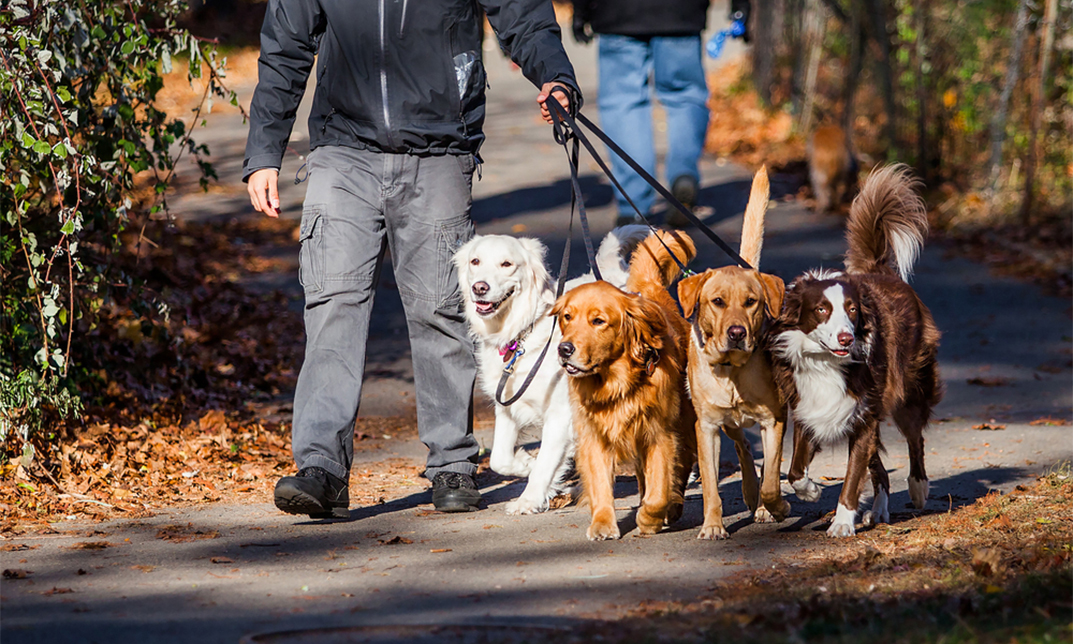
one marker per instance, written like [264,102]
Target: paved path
[273,572]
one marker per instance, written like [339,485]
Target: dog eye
[567,317]
[506,264]
[719,302]
[475,262]
[821,309]
[597,321]
[750,302]
[852,308]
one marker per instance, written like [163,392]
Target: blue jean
[674,64]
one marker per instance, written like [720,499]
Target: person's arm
[528,31]
[287,54]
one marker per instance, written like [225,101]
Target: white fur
[879,512]
[843,525]
[906,247]
[823,405]
[918,492]
[525,292]
[805,489]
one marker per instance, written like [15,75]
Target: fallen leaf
[15,573]
[58,591]
[1049,422]
[989,427]
[221,560]
[17,547]
[434,550]
[90,545]
[394,541]
[989,382]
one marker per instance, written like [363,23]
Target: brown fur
[629,399]
[893,371]
[730,380]
[829,166]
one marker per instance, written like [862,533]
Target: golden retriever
[730,377]
[625,356]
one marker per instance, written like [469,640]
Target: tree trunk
[878,25]
[1013,72]
[766,35]
[814,28]
[856,60]
[1050,17]
[922,93]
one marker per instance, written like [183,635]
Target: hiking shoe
[314,491]
[684,189]
[454,492]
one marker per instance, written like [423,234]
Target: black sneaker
[684,189]
[454,492]
[314,491]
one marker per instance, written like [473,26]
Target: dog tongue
[484,307]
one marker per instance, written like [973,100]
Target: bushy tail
[652,269]
[887,224]
[752,228]
[613,256]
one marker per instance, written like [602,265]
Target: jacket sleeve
[287,53]
[528,32]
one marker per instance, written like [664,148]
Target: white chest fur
[823,405]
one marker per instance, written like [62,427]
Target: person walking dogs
[395,129]
[641,40]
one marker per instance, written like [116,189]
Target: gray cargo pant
[358,203]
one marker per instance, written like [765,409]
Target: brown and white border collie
[852,348]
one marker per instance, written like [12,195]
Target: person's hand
[562,97]
[582,31]
[264,191]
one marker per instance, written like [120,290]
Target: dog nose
[565,350]
[736,333]
[480,288]
[845,339]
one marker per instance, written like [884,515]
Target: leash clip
[516,353]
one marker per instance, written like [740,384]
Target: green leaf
[127,48]
[27,140]
[41,147]
[68,227]
[60,150]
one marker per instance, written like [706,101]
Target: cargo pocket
[451,234]
[311,256]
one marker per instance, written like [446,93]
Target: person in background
[395,130]
[647,45]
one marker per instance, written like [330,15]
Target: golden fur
[625,355]
[829,166]
[730,380]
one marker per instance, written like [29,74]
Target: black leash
[572,155]
[576,132]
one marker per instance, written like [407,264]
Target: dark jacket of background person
[643,18]
[389,73]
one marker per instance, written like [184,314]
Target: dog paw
[526,506]
[918,492]
[806,490]
[713,533]
[523,463]
[840,529]
[603,532]
[674,512]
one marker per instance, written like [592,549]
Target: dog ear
[645,327]
[558,306]
[689,292]
[537,274]
[774,292]
[461,256]
[790,315]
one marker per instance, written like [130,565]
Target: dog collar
[515,346]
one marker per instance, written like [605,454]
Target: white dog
[508,293]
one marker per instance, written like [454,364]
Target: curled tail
[887,224]
[613,256]
[652,269]
[752,228]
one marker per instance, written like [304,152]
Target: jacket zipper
[402,21]
[383,76]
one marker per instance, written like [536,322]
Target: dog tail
[752,229]
[652,268]
[887,224]
[613,256]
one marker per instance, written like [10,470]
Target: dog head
[733,306]
[825,314]
[494,270]
[602,326]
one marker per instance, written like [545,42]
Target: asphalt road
[398,563]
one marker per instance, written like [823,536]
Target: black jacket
[643,18]
[401,76]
